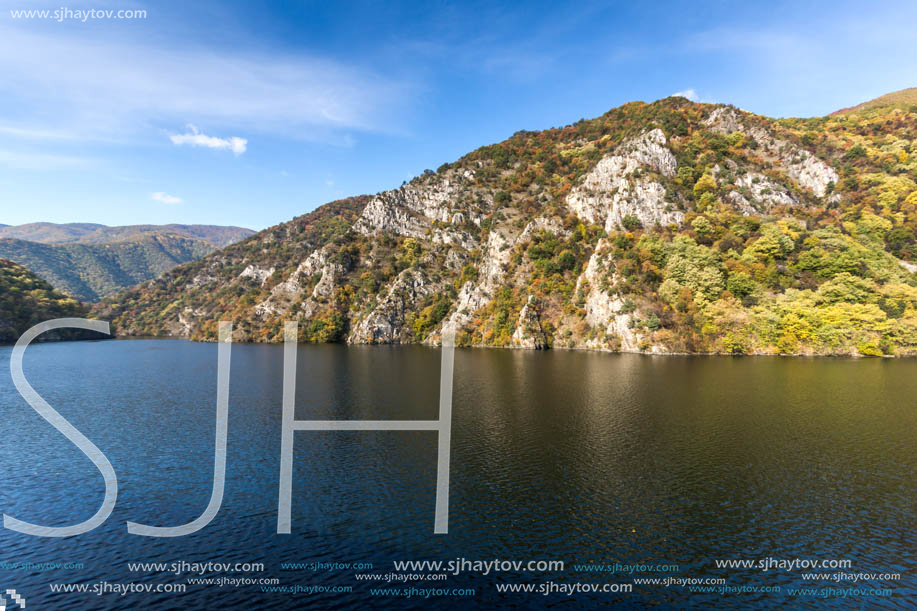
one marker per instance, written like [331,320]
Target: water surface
[574,456]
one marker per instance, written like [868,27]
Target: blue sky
[231,113]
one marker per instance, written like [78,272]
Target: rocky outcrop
[515,244]
[291,290]
[808,171]
[605,312]
[529,332]
[616,187]
[387,322]
[474,295]
[258,274]
[754,192]
[411,210]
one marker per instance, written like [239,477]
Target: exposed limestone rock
[369,284]
[258,274]
[386,323]
[384,214]
[550,224]
[290,290]
[755,192]
[811,173]
[201,279]
[454,260]
[740,203]
[475,295]
[188,319]
[613,189]
[911,267]
[529,332]
[410,209]
[603,311]
[799,164]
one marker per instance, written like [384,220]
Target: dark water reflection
[580,457]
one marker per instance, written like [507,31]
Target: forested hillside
[91,271]
[92,233]
[664,227]
[26,300]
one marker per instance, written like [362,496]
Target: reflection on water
[580,457]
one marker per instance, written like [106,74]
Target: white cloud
[687,93]
[99,87]
[195,137]
[165,198]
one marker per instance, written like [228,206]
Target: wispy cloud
[91,86]
[31,133]
[195,137]
[687,93]
[165,198]
[40,161]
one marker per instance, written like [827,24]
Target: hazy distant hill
[92,233]
[91,261]
[26,299]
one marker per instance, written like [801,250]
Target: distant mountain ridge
[93,233]
[91,261]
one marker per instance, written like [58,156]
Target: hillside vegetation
[92,271]
[26,300]
[92,261]
[663,227]
[898,99]
[92,233]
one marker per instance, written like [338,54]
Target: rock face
[410,210]
[753,193]
[529,333]
[605,311]
[554,238]
[387,322]
[616,188]
[808,171]
[257,274]
[291,290]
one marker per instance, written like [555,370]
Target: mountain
[26,299]
[92,271]
[671,227]
[92,261]
[91,233]
[898,99]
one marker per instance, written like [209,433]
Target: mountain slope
[897,99]
[26,300]
[664,227]
[92,271]
[91,233]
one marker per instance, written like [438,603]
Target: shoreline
[845,355]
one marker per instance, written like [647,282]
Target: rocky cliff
[665,227]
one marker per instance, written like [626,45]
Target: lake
[586,458]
